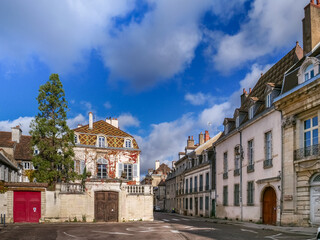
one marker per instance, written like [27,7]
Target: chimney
[201,139]
[157,164]
[113,121]
[190,142]
[206,136]
[90,120]
[250,90]
[16,133]
[311,26]
[243,96]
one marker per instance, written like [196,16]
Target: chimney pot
[250,90]
[90,120]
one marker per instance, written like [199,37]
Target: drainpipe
[214,171]
[281,175]
[241,158]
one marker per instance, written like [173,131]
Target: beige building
[248,154]
[299,103]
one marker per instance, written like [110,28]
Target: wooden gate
[106,206]
[26,206]
[269,206]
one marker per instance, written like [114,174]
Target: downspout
[215,180]
[241,158]
[281,175]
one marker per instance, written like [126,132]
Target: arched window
[128,143]
[102,168]
[309,72]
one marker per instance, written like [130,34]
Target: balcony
[267,163]
[236,172]
[250,168]
[225,175]
[207,187]
[195,190]
[311,151]
[201,188]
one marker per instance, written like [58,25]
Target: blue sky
[164,68]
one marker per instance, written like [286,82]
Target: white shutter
[82,166]
[135,170]
[120,169]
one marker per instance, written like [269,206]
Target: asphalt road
[165,226]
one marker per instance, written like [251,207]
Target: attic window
[268,100]
[309,72]
[226,129]
[128,143]
[251,112]
[102,141]
[237,122]
[76,139]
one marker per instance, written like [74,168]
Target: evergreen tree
[51,135]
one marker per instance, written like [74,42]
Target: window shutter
[135,170]
[82,166]
[120,169]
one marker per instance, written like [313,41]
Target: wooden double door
[269,206]
[106,206]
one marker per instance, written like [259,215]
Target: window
[250,156]
[191,203]
[75,139]
[36,151]
[251,112]
[26,165]
[225,165]
[310,136]
[187,185]
[225,195]
[127,171]
[190,186]
[128,143]
[102,141]
[201,183]
[207,181]
[195,184]
[309,73]
[237,160]
[236,195]
[207,203]
[237,121]
[268,100]
[102,171]
[268,150]
[186,203]
[250,193]
[201,203]
[226,129]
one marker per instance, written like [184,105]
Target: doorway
[269,211]
[106,206]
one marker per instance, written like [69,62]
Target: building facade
[299,103]
[248,154]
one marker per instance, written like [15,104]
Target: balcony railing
[236,172]
[71,188]
[250,168]
[195,190]
[201,188]
[207,187]
[267,163]
[302,153]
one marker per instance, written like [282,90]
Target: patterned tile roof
[115,136]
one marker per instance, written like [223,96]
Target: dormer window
[226,129]
[36,151]
[251,112]
[309,73]
[268,100]
[128,143]
[102,141]
[76,139]
[237,121]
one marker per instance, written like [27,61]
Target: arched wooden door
[269,206]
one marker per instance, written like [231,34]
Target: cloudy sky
[166,68]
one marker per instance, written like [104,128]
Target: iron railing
[236,172]
[225,175]
[267,163]
[302,153]
[250,168]
[71,188]
[207,187]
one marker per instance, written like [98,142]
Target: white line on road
[273,237]
[185,219]
[166,220]
[167,226]
[247,230]
[174,219]
[69,235]
[114,233]
[175,231]
[204,229]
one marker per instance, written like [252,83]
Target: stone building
[15,156]
[106,152]
[299,103]
[248,153]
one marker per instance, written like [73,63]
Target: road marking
[204,229]
[175,231]
[114,233]
[166,220]
[185,219]
[247,230]
[274,236]
[69,235]
[174,219]
[166,226]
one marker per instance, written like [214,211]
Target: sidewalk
[309,231]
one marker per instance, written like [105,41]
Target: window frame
[225,195]
[268,100]
[250,193]
[100,142]
[251,112]
[236,195]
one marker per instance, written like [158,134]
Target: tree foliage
[51,135]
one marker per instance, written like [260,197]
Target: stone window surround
[305,65]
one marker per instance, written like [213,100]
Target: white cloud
[23,122]
[107,105]
[271,26]
[127,120]
[197,98]
[79,119]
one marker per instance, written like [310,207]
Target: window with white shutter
[135,170]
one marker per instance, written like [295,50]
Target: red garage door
[26,206]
